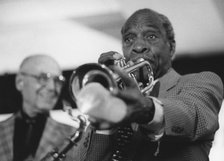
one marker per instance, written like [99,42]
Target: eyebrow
[151,28]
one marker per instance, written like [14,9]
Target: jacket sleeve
[191,110]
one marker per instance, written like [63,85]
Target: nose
[140,47]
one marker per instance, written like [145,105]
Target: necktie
[123,138]
[28,136]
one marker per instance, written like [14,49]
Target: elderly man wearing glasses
[31,133]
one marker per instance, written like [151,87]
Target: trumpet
[94,72]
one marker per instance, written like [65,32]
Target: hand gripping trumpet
[59,155]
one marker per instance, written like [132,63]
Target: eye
[151,36]
[128,39]
[43,77]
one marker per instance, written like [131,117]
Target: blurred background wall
[75,32]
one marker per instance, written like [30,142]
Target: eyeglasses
[44,78]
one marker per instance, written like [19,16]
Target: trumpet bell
[89,73]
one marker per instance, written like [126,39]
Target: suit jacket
[191,105]
[53,136]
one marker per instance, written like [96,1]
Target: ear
[172,49]
[19,82]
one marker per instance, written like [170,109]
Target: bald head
[39,63]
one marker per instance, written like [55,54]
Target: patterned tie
[125,133]
[123,138]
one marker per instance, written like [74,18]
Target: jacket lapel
[54,137]
[50,136]
[167,82]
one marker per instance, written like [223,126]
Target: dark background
[10,99]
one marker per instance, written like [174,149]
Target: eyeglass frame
[43,78]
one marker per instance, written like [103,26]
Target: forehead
[38,65]
[142,20]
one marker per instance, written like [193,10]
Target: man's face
[145,37]
[41,87]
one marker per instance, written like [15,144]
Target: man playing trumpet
[175,122]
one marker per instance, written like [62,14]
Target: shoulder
[206,76]
[5,117]
[208,81]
